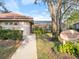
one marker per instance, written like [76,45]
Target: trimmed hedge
[11,34]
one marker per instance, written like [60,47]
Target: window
[15,23]
[0,27]
[6,23]
[11,23]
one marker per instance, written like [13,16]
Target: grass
[45,49]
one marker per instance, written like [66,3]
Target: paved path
[27,50]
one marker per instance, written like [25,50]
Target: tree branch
[66,10]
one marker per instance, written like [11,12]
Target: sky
[27,7]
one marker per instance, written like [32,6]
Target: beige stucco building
[15,21]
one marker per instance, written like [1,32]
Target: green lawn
[44,48]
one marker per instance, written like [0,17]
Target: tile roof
[14,17]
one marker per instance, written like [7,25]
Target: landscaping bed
[9,42]
[7,48]
[47,49]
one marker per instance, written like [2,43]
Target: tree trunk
[59,19]
[52,11]
[54,28]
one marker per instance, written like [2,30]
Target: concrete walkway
[27,50]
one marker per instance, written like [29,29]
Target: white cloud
[18,12]
[44,13]
[26,2]
[46,10]
[42,18]
[38,15]
[35,12]
[12,5]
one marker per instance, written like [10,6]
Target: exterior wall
[25,26]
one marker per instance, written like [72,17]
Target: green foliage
[77,47]
[69,48]
[10,34]
[39,31]
[74,17]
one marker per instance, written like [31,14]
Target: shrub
[10,34]
[77,47]
[69,48]
[39,31]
